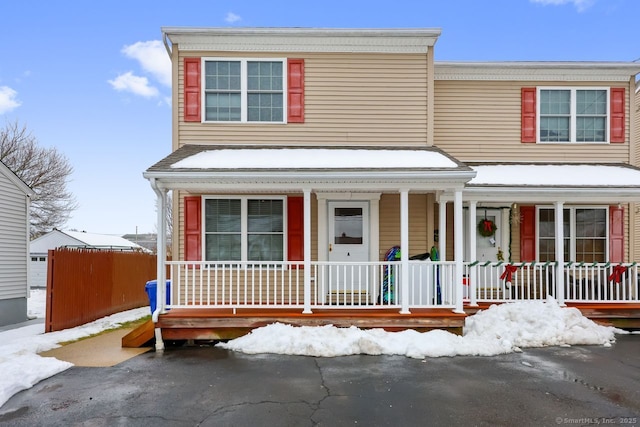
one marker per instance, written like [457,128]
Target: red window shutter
[295,92]
[193,228]
[527,233]
[528,106]
[616,234]
[295,228]
[192,90]
[617,118]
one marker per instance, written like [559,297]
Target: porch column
[459,253]
[442,232]
[404,251]
[559,219]
[307,251]
[161,289]
[473,271]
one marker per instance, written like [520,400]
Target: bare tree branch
[45,170]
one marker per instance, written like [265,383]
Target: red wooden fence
[84,285]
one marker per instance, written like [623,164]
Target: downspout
[161,288]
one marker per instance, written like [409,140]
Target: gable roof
[4,169]
[56,238]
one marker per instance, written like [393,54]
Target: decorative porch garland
[487,228]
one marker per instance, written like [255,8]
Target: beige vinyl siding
[354,99]
[480,121]
[14,240]
[178,246]
[390,223]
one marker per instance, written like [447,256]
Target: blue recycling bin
[151,288]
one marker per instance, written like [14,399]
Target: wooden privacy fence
[87,284]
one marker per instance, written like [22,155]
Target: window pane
[265,97]
[348,226]
[265,216]
[554,129]
[591,102]
[265,247]
[555,102]
[222,215]
[222,107]
[222,247]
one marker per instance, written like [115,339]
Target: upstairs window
[244,90]
[573,115]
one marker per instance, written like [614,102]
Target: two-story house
[313,169]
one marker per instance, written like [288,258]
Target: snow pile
[500,329]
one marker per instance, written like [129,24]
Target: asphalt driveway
[207,386]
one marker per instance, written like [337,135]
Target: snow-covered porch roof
[277,168]
[537,182]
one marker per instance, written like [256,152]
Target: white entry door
[348,242]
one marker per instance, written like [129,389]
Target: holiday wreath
[487,228]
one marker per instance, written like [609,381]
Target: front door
[348,243]
[488,245]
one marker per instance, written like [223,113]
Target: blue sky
[91,78]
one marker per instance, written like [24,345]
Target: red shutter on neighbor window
[527,233]
[616,234]
[193,228]
[192,90]
[617,118]
[295,90]
[528,106]
[295,228]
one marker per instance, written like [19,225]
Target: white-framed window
[585,229]
[244,228]
[245,90]
[578,115]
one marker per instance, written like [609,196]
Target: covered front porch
[317,285]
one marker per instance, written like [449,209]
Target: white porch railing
[364,285]
[374,285]
[582,282]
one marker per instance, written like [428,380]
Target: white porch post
[161,289]
[473,271]
[559,218]
[307,251]
[404,251]
[459,253]
[442,232]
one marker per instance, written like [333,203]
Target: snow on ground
[500,329]
[20,364]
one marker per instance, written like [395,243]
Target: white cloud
[153,59]
[8,99]
[128,82]
[232,17]
[581,5]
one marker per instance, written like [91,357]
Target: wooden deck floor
[224,324]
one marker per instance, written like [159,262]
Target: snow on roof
[314,158]
[102,240]
[564,175]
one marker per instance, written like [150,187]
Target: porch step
[139,336]
[224,324]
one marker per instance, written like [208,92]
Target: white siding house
[14,247]
[70,239]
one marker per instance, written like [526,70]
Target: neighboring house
[41,246]
[14,247]
[301,157]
